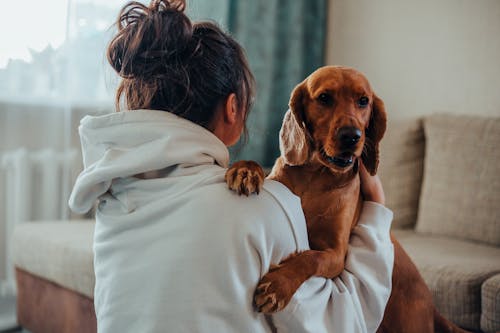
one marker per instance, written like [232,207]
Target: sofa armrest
[490,304]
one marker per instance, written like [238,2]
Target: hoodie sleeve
[355,301]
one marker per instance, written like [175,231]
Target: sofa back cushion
[460,194]
[401,168]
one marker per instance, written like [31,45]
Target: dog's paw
[273,292]
[245,177]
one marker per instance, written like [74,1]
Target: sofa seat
[462,275]
[55,276]
[60,252]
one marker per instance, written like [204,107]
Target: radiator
[36,186]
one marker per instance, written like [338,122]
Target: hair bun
[150,38]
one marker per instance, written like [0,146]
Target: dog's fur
[322,170]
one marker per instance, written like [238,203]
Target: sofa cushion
[60,252]
[454,270]
[461,185]
[401,167]
[490,303]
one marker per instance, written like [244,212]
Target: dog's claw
[271,306]
[265,302]
[262,287]
[272,294]
[245,177]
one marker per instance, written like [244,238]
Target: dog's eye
[363,102]
[325,99]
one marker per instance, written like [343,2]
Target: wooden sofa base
[45,307]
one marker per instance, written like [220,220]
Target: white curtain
[53,71]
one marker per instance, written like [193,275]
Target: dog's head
[335,118]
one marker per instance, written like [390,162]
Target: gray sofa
[441,175]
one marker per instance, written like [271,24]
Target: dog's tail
[443,325]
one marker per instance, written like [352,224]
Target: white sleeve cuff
[376,215]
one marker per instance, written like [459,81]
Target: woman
[175,250]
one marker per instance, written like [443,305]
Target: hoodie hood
[128,143]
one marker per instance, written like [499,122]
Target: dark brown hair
[168,63]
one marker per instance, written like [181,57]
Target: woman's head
[168,63]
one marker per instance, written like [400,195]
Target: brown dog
[335,120]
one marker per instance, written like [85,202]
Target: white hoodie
[182,253]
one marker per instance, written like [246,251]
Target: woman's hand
[371,186]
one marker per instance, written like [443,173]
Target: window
[53,71]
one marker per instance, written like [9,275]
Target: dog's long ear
[294,142]
[374,133]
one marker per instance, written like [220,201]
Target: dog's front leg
[276,288]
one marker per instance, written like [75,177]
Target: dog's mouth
[342,160]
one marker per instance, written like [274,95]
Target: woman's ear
[228,121]
[231,109]
[374,133]
[294,141]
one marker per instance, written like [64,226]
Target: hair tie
[161,5]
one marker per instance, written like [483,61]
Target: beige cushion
[401,167]
[461,188]
[490,304]
[454,270]
[60,252]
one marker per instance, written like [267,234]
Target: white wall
[421,56]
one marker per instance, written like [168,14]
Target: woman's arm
[355,301]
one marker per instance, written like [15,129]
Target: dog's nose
[348,136]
